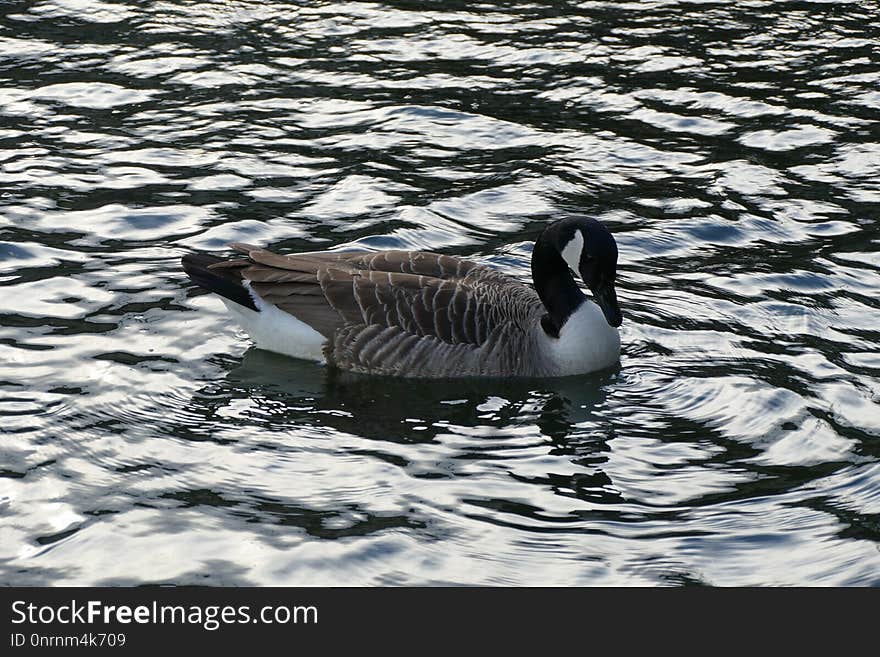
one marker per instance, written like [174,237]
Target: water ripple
[732,149]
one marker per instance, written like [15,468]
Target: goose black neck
[555,286]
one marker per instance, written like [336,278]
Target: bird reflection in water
[413,411]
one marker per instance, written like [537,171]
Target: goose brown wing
[415,293]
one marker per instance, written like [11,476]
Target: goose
[417,314]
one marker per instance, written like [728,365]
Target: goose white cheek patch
[572,251]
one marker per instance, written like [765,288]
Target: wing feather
[385,305]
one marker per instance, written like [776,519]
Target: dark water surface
[733,148]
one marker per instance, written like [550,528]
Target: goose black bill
[606,298]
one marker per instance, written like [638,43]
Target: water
[732,147]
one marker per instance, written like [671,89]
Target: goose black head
[589,249]
[585,247]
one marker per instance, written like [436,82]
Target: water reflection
[732,149]
[386,409]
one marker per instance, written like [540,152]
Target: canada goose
[416,314]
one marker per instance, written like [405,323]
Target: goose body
[418,314]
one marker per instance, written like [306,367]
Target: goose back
[403,313]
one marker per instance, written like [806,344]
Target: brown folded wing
[389,302]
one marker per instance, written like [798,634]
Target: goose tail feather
[224,281]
